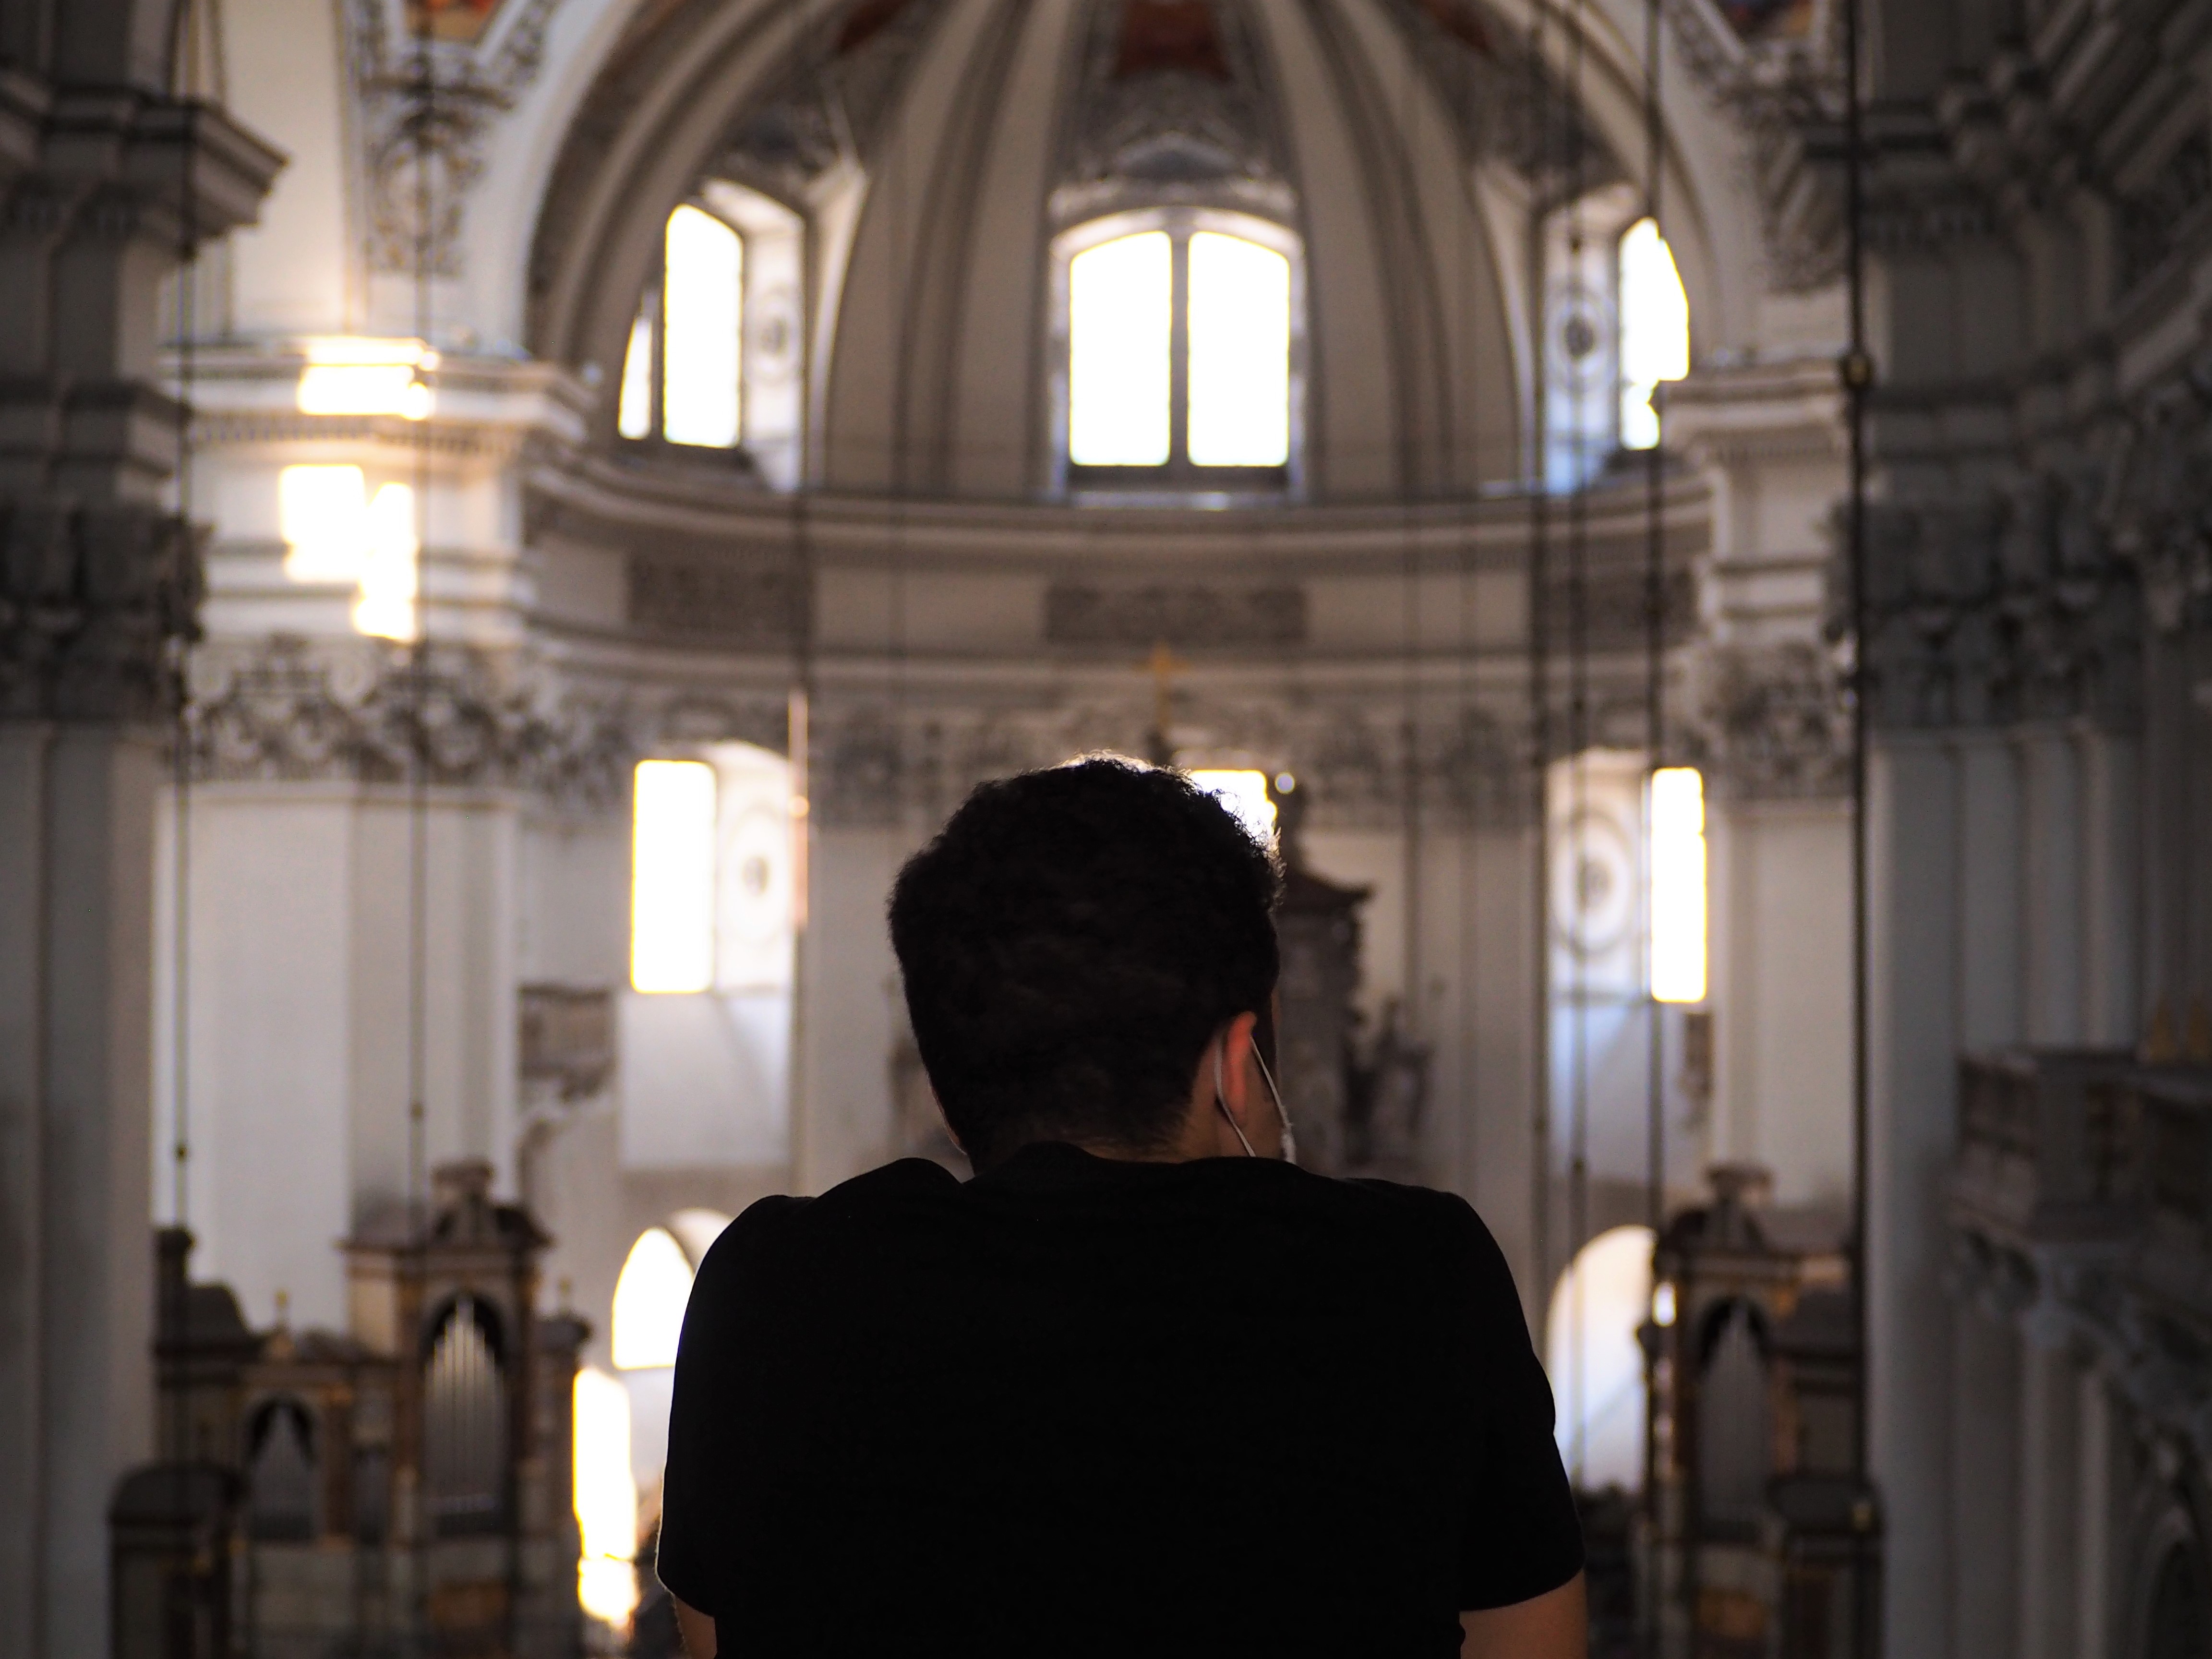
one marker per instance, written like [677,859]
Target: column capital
[89,595]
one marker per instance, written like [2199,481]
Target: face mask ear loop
[1290,1135]
[1222,1105]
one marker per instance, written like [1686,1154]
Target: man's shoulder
[770,1224]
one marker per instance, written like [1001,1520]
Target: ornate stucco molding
[1775,723]
[1783,88]
[1088,613]
[286,709]
[471,83]
[89,598]
[1359,761]
[2010,605]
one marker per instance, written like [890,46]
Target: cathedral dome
[950,160]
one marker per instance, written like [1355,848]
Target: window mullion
[1179,357]
[660,352]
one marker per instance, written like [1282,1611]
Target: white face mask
[1290,1139]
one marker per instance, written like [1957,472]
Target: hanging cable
[1579,738]
[424,95]
[1655,599]
[175,1275]
[1857,372]
[1537,450]
[1469,483]
[1412,971]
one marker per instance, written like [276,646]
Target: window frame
[653,305]
[1178,480]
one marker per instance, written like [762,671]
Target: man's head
[1070,942]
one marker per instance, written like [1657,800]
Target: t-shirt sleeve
[1522,1535]
[700,1485]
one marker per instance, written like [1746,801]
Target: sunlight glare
[671,940]
[391,573]
[1120,301]
[1595,1362]
[633,412]
[1240,353]
[606,1498]
[1655,330]
[1244,794]
[1677,885]
[649,1299]
[322,513]
[702,302]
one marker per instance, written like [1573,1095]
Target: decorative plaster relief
[714,602]
[1174,105]
[284,709]
[89,598]
[2013,605]
[1160,613]
[1776,725]
[876,765]
[430,106]
[1784,90]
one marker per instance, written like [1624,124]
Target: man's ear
[1236,1072]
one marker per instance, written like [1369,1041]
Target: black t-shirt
[1080,1407]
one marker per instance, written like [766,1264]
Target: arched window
[1617,325]
[1596,1361]
[714,359]
[1177,353]
[649,1301]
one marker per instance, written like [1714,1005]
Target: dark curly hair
[1069,943]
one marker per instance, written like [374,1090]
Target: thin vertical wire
[175,1289]
[1578,740]
[1858,377]
[1470,484]
[181,691]
[1655,599]
[1410,1007]
[418,801]
[1540,641]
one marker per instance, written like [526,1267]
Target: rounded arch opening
[1595,1359]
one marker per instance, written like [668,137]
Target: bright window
[1240,353]
[714,871]
[1677,885]
[1595,1362]
[702,301]
[672,877]
[606,1498]
[1655,330]
[336,533]
[716,351]
[649,1301]
[1180,354]
[1121,321]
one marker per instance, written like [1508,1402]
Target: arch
[1596,1359]
[929,229]
[465,1477]
[2166,1613]
[1735,1432]
[1186,236]
[650,1296]
[282,1471]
